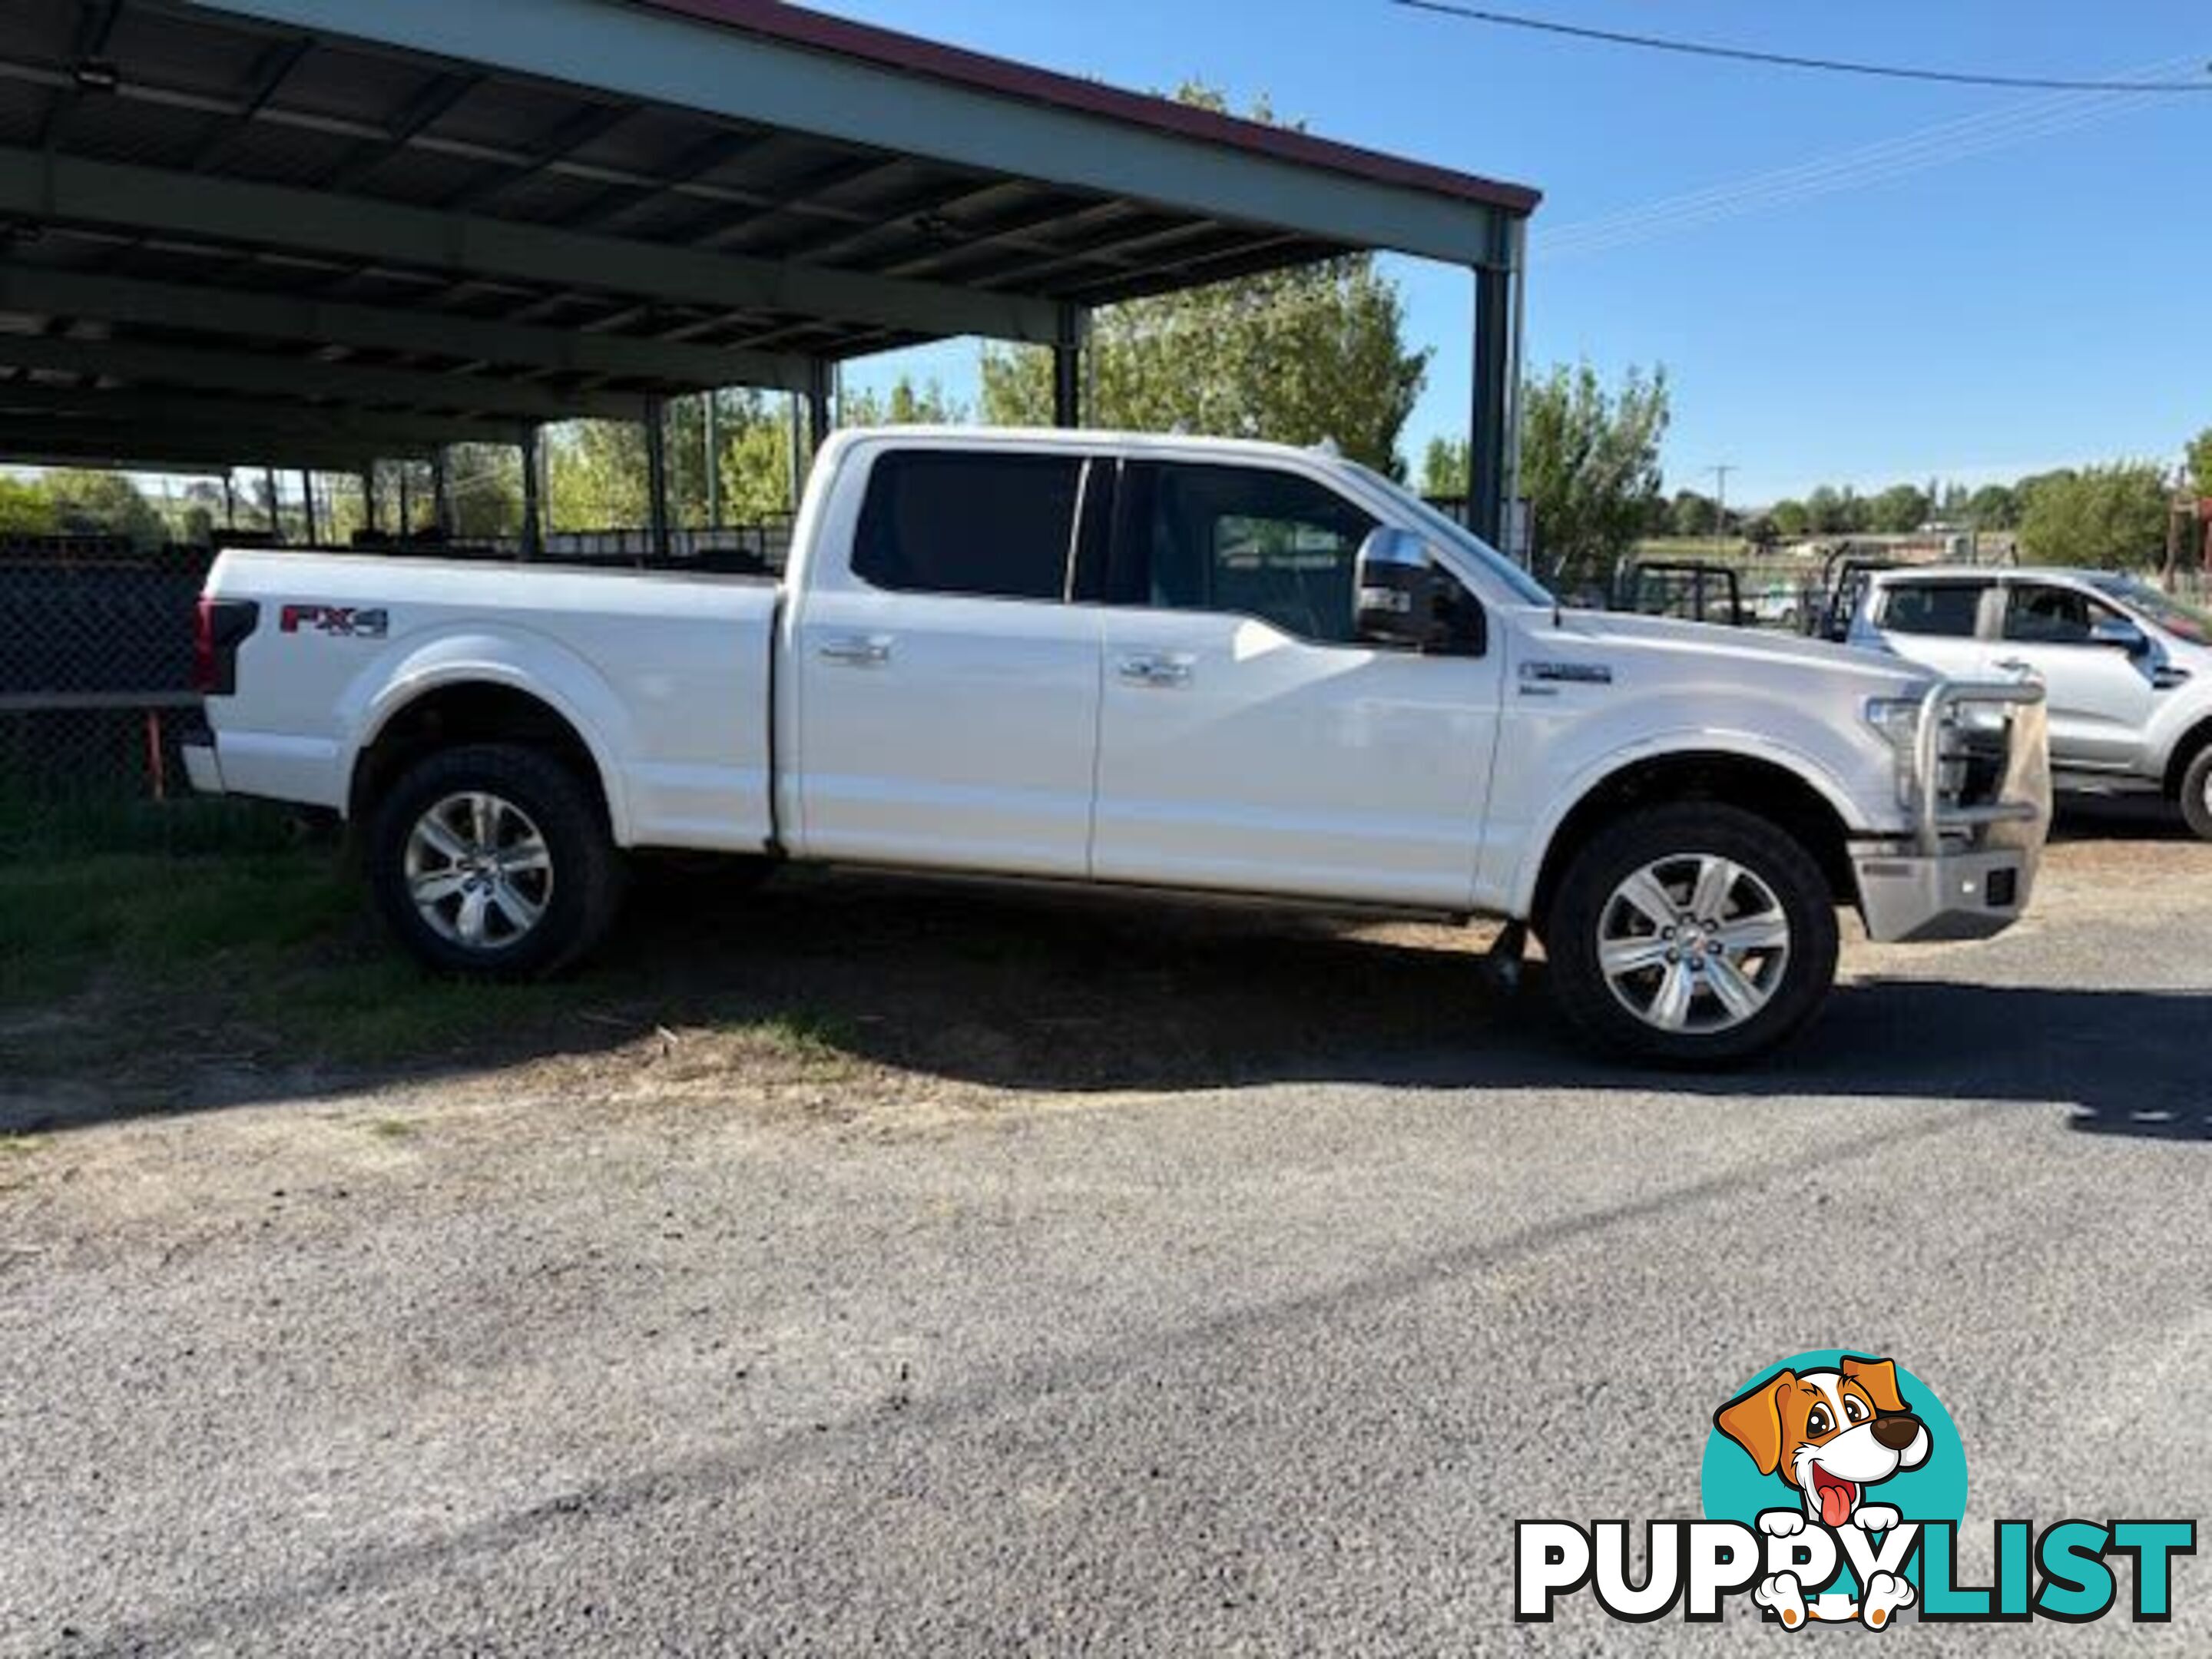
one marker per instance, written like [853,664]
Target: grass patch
[816,1046]
[21,1145]
[63,923]
[391,1128]
[270,954]
[192,827]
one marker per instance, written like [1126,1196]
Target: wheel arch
[2192,743]
[1768,788]
[474,708]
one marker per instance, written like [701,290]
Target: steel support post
[533,525]
[1489,435]
[713,459]
[819,413]
[1068,366]
[656,474]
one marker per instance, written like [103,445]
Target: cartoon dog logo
[1831,1435]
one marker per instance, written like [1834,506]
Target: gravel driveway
[613,1356]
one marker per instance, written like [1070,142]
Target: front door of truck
[2101,697]
[1247,740]
[947,709]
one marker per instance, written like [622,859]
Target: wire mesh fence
[95,670]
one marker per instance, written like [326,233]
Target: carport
[316,234]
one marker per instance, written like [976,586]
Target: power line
[1918,151]
[1785,60]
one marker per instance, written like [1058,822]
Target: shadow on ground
[2119,818]
[1064,991]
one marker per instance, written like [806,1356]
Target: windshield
[2182,621]
[1525,587]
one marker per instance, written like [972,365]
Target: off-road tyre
[584,869]
[2196,793]
[1782,880]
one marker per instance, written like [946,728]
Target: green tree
[2110,516]
[484,490]
[757,459]
[1445,467]
[1692,514]
[1590,465]
[905,404]
[595,474]
[2200,462]
[104,504]
[26,509]
[1994,507]
[1296,355]
[1791,520]
[1899,510]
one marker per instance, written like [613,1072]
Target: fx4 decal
[341,620]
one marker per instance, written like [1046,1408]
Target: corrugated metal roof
[158,161]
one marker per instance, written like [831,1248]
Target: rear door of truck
[946,692]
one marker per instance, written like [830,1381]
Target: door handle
[869,652]
[2014,665]
[1156,670]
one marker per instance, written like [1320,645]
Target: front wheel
[2196,793]
[1696,935]
[493,860]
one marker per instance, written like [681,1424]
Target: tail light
[219,627]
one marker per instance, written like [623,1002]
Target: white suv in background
[2126,668]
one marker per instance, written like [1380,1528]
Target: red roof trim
[910,54]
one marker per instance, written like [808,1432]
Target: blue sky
[1951,282]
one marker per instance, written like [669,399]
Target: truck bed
[664,676]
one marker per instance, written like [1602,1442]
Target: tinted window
[998,525]
[1243,540]
[2051,615]
[1948,609]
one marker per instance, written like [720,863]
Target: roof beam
[45,443]
[157,412]
[430,105]
[261,375]
[374,328]
[589,126]
[660,57]
[270,71]
[41,185]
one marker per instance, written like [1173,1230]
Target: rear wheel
[2197,792]
[1696,935]
[493,860]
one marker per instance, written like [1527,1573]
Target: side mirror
[1402,600]
[2120,634]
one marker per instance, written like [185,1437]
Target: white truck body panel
[663,677]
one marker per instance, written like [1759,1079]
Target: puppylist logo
[1834,1485]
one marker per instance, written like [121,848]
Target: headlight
[1898,719]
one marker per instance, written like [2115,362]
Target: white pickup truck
[1164,663]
